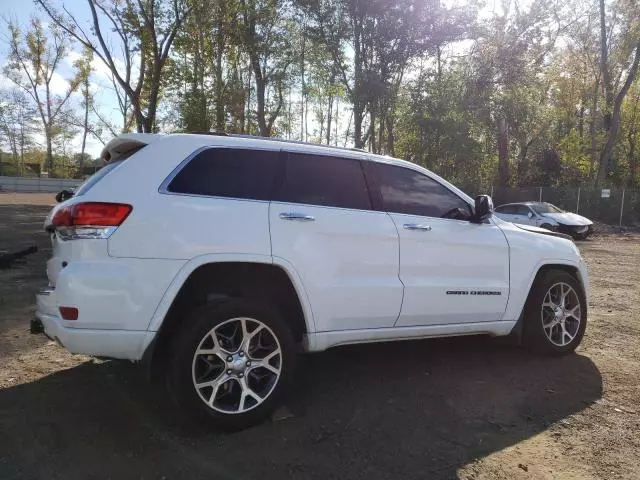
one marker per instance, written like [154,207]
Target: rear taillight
[89,219]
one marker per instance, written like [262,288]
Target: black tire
[546,226]
[533,336]
[197,325]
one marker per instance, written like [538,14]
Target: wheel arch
[570,268]
[213,278]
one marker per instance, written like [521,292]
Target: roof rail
[276,139]
[211,132]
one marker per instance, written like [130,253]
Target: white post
[491,191]
[540,194]
[578,204]
[621,208]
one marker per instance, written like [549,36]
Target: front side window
[407,191]
[541,208]
[324,180]
[229,172]
[523,210]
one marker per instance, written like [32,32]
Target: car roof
[250,141]
[128,141]
[520,203]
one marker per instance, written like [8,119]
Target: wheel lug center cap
[238,363]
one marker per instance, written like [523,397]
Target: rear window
[109,167]
[228,172]
[96,177]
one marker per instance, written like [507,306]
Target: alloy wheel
[236,365]
[561,314]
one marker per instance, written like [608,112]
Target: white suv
[218,258]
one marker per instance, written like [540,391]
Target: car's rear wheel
[556,314]
[232,363]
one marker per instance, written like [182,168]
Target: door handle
[298,217]
[417,226]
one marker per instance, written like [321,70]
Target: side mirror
[63,195]
[483,208]
[530,214]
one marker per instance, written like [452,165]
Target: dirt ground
[469,408]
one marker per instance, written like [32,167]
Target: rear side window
[406,191]
[229,172]
[324,180]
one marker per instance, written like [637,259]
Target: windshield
[541,208]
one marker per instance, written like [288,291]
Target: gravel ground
[469,408]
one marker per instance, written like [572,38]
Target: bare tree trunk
[246,125]
[391,142]
[303,98]
[329,113]
[607,152]
[632,136]
[220,43]
[358,104]
[337,117]
[604,68]
[503,152]
[86,127]
[633,162]
[592,130]
[289,119]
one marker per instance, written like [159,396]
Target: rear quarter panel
[170,226]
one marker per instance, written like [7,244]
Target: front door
[453,271]
[346,253]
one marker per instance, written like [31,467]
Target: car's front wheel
[555,314]
[231,363]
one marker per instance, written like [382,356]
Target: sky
[21,11]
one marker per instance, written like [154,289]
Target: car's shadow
[419,409]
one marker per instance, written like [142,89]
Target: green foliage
[518,97]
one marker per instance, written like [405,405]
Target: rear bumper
[122,344]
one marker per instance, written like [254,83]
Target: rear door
[453,271]
[323,224]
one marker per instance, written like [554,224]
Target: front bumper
[581,231]
[122,344]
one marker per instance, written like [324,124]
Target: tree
[34,57]
[145,31]
[628,51]
[83,66]
[265,40]
[17,124]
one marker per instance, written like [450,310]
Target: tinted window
[329,181]
[229,172]
[407,191]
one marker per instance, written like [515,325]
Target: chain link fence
[36,184]
[614,206]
